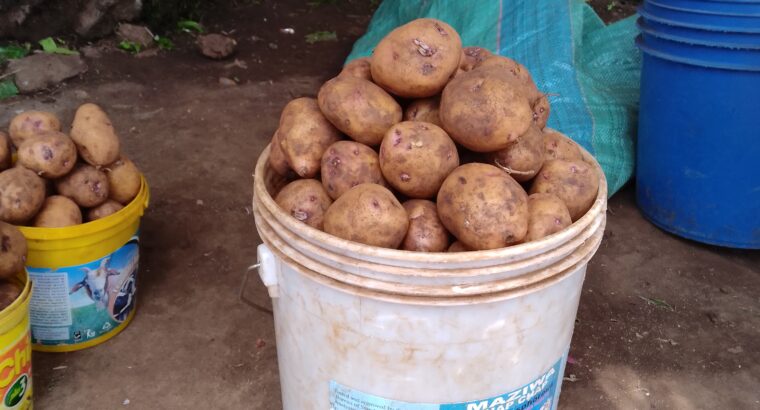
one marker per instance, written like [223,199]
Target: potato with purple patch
[107,208]
[416,157]
[304,136]
[483,111]
[94,135]
[559,146]
[85,185]
[12,252]
[548,215]
[541,111]
[51,154]
[31,123]
[359,68]
[22,193]
[472,57]
[483,207]
[517,74]
[359,108]
[426,233]
[347,164]
[6,152]
[425,109]
[124,180]
[306,200]
[524,157]
[576,183]
[368,214]
[58,211]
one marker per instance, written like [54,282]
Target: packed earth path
[663,323]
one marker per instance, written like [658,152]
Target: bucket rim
[643,25]
[712,27]
[135,207]
[702,11]
[641,44]
[511,252]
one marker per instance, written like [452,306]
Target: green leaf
[658,302]
[50,46]
[130,46]
[164,43]
[11,52]
[318,36]
[7,88]
[189,26]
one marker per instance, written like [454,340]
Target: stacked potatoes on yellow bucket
[429,146]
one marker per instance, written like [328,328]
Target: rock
[216,46]
[40,71]
[135,34]
[227,82]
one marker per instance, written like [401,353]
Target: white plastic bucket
[360,327]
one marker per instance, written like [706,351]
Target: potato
[574,182]
[304,136]
[277,160]
[359,108]
[524,157]
[519,75]
[86,185]
[472,56]
[9,292]
[51,154]
[124,180]
[560,146]
[416,157]
[458,247]
[541,110]
[483,207]
[94,136]
[417,59]
[347,164]
[359,68]
[107,208]
[548,215]
[31,123]
[12,251]
[21,195]
[425,109]
[6,152]
[368,214]
[306,200]
[58,211]
[483,111]
[426,233]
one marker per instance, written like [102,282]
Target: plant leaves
[318,36]
[11,52]
[50,46]
[190,26]
[7,88]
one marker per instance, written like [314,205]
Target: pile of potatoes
[59,180]
[12,261]
[428,146]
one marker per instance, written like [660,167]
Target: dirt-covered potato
[277,160]
[304,136]
[12,251]
[58,211]
[31,123]
[94,135]
[559,146]
[425,109]
[524,157]
[21,195]
[548,215]
[574,182]
[51,154]
[519,76]
[347,164]
[85,185]
[417,59]
[359,68]
[6,153]
[124,180]
[306,200]
[483,207]
[482,111]
[107,208]
[368,214]
[472,56]
[9,292]
[416,157]
[359,108]
[458,247]
[541,111]
[426,233]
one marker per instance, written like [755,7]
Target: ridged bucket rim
[702,11]
[643,24]
[640,10]
[641,44]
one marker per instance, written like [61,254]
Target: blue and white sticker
[75,304]
[540,394]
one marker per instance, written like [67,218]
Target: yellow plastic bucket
[84,278]
[16,351]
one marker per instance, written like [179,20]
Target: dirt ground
[194,344]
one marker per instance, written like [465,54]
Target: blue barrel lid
[726,8]
[714,22]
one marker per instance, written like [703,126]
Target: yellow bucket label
[84,304]
[16,372]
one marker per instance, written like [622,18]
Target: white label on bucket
[540,394]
